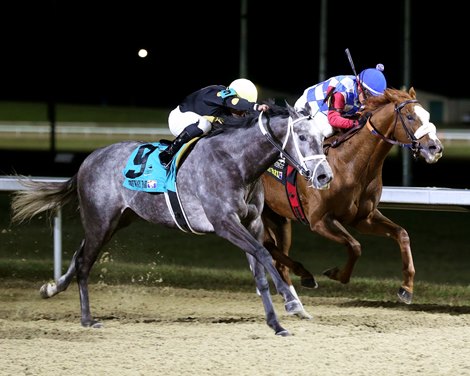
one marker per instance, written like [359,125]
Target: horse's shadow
[429,308]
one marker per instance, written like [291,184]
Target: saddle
[145,173]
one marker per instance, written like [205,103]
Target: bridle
[414,144]
[300,166]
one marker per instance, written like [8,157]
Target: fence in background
[154,129]
[87,129]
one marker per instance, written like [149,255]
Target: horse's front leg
[332,229]
[231,229]
[257,227]
[262,288]
[378,224]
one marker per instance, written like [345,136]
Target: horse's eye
[410,117]
[302,138]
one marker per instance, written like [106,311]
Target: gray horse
[219,188]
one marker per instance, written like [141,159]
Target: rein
[344,137]
[414,145]
[301,167]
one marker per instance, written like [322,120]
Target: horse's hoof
[332,273]
[304,315]
[309,283]
[47,290]
[405,296]
[293,307]
[92,324]
[283,333]
[43,291]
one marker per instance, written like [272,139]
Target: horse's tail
[41,197]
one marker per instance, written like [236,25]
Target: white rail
[443,199]
[86,128]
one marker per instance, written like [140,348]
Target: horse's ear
[270,102]
[412,92]
[308,108]
[292,112]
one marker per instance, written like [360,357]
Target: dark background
[86,52]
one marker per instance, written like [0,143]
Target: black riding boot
[167,155]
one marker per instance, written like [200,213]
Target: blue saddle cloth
[144,172]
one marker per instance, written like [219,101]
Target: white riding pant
[178,121]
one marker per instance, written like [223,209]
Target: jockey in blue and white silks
[336,101]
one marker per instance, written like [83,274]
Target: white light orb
[143,53]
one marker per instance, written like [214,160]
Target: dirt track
[166,331]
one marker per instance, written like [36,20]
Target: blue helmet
[373,80]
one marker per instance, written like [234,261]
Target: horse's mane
[231,122]
[389,96]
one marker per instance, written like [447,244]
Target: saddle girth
[172,198]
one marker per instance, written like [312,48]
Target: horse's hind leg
[333,230]
[94,241]
[81,264]
[85,256]
[48,290]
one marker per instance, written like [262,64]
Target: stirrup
[166,166]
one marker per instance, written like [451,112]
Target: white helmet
[245,89]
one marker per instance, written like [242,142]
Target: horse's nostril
[436,149]
[324,178]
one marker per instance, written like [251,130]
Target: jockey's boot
[167,155]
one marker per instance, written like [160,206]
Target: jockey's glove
[363,119]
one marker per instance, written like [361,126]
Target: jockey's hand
[363,119]
[366,115]
[263,107]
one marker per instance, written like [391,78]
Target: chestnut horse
[356,157]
